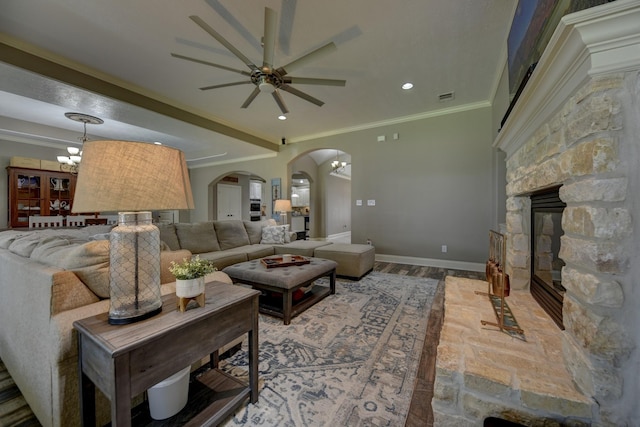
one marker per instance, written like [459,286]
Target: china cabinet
[38,192]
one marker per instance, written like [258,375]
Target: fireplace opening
[546,266]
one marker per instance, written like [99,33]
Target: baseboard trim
[430,262]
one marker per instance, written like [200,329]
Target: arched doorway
[301,203]
[329,192]
[252,191]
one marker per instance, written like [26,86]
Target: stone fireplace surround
[577,124]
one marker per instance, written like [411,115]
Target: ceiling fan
[267,78]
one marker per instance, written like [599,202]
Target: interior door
[229,201]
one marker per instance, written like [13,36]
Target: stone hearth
[482,371]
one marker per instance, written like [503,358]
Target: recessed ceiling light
[282,117]
[407,85]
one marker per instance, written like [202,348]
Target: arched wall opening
[329,192]
[242,179]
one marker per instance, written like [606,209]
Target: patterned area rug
[350,360]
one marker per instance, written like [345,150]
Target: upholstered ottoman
[354,261]
[284,282]
[300,247]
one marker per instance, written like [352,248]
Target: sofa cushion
[169,236]
[197,237]
[222,259]
[254,231]
[231,234]
[24,245]
[273,235]
[254,251]
[97,229]
[88,260]
[7,237]
[300,247]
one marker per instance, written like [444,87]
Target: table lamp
[132,178]
[283,206]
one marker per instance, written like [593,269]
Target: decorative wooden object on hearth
[498,286]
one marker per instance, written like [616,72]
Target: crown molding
[395,121]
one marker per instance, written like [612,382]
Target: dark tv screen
[533,25]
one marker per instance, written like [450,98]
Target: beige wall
[433,186]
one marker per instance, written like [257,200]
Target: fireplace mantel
[596,41]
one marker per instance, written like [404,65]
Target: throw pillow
[287,236]
[273,235]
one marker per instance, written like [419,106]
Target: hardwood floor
[15,412]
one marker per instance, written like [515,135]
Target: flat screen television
[533,25]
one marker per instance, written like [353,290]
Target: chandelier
[337,166]
[72,161]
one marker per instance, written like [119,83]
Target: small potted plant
[190,274]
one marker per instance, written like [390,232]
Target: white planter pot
[189,288]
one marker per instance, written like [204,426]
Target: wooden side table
[124,360]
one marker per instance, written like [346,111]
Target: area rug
[350,360]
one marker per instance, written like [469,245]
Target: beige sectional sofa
[51,278]
[232,241]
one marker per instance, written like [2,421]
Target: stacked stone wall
[580,149]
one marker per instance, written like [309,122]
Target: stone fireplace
[576,127]
[546,265]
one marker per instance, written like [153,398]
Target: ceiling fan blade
[251,97]
[269,41]
[302,95]
[304,60]
[312,81]
[287,13]
[276,95]
[226,85]
[211,64]
[223,41]
[234,23]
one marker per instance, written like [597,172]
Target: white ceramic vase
[189,288]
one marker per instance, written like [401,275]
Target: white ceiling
[441,46]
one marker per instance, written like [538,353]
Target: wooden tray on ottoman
[278,261]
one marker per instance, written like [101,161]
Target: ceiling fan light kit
[267,79]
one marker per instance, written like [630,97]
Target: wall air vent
[445,96]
